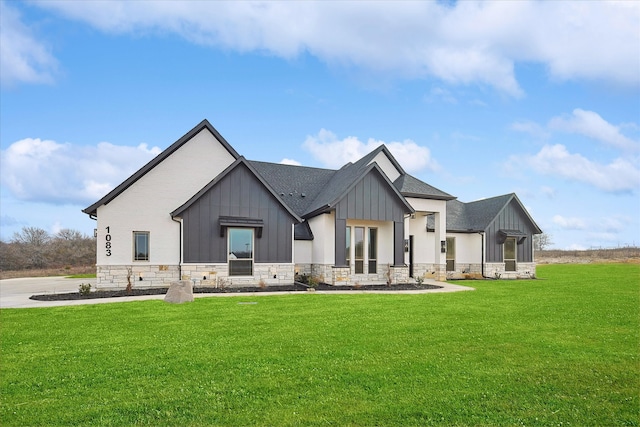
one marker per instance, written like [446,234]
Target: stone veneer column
[341,276]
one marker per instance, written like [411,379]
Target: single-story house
[201,211]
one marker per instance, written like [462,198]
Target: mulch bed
[205,290]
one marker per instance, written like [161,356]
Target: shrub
[84,288]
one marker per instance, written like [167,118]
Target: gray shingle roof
[339,183]
[478,215]
[297,186]
[411,186]
[304,190]
[322,188]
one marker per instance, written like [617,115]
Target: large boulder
[179,292]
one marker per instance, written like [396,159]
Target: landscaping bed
[209,290]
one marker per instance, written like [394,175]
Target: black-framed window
[451,254]
[141,246]
[359,249]
[348,248]
[240,251]
[510,254]
[373,250]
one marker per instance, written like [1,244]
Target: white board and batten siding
[387,167]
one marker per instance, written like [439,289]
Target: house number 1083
[107,244]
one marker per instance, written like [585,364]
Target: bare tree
[542,241]
[11,257]
[69,234]
[33,247]
[32,236]
[33,243]
[70,247]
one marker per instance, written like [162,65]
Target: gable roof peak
[239,161]
[382,148]
[204,124]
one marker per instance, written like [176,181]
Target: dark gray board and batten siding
[237,194]
[510,218]
[370,199]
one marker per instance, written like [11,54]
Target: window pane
[451,248]
[140,246]
[373,244]
[240,251]
[510,249]
[348,245]
[240,268]
[359,242]
[359,249]
[240,243]
[451,265]
[373,267]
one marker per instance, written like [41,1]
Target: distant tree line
[35,248]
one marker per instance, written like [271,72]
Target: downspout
[179,248]
[481,233]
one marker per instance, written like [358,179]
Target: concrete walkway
[15,293]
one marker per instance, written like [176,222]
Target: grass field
[559,351]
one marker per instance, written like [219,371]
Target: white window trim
[352,252]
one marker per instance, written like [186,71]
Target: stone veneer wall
[322,272]
[466,271]
[430,271]
[525,270]
[115,276]
[342,275]
[303,269]
[398,274]
[216,275]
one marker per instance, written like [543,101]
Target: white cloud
[7,220]
[471,42]
[290,162]
[569,223]
[532,128]
[592,125]
[604,237]
[615,223]
[620,175]
[575,247]
[47,171]
[335,153]
[440,94]
[550,192]
[23,59]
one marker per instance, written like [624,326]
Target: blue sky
[478,99]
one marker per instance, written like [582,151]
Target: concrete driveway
[15,293]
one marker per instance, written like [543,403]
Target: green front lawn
[559,351]
[82,276]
